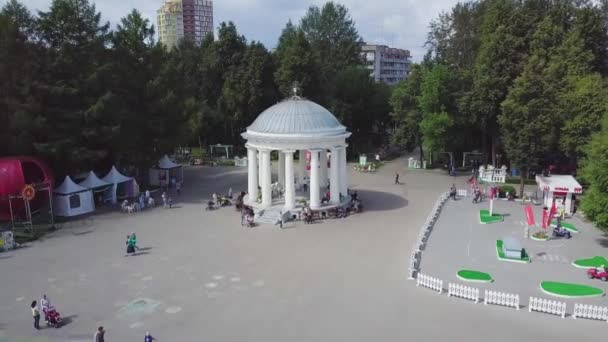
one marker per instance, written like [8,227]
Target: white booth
[71,199]
[101,189]
[560,188]
[164,171]
[121,186]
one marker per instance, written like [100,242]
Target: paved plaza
[203,277]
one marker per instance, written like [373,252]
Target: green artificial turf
[570,290]
[501,255]
[596,261]
[485,218]
[568,226]
[470,275]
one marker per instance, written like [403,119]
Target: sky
[397,23]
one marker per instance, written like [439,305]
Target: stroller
[52,317]
[211,205]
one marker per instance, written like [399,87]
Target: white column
[260,173]
[315,198]
[252,185]
[266,181]
[568,205]
[335,175]
[281,169]
[290,198]
[323,161]
[343,173]
[302,167]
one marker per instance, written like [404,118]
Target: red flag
[551,213]
[545,218]
[529,215]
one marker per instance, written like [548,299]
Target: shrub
[502,192]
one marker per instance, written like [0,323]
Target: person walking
[36,314]
[149,338]
[397,178]
[164,197]
[99,335]
[178,188]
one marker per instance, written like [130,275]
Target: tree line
[83,95]
[522,79]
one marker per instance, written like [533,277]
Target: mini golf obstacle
[485,217]
[540,236]
[567,290]
[474,276]
[512,251]
[597,261]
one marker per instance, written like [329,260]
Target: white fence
[430,282]
[462,192]
[547,306]
[590,311]
[423,236]
[463,291]
[240,162]
[501,298]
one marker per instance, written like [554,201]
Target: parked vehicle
[598,273]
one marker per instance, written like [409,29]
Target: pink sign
[529,215]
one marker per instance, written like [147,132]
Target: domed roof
[296,116]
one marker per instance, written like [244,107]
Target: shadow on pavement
[381,201]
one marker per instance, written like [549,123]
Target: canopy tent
[164,171]
[71,199]
[93,182]
[116,179]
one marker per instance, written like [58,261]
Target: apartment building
[386,64]
[184,19]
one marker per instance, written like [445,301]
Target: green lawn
[485,218]
[596,261]
[568,226]
[570,290]
[476,276]
[501,255]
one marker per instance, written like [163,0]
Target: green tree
[595,172]
[297,63]
[406,111]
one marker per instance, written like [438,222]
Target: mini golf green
[476,276]
[596,261]
[500,254]
[540,236]
[485,218]
[570,290]
[567,226]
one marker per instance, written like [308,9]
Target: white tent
[165,171]
[115,178]
[71,199]
[93,182]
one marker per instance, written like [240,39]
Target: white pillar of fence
[430,282]
[547,306]
[590,311]
[501,298]
[462,291]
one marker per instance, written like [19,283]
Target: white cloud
[400,23]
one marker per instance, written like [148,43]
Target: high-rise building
[184,19]
[388,65]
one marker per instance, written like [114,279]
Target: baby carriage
[250,220]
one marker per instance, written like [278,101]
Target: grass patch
[570,290]
[485,218]
[500,254]
[596,261]
[475,276]
[567,226]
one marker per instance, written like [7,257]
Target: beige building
[386,64]
[184,19]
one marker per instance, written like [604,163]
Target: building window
[74,201]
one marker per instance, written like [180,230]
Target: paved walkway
[203,277]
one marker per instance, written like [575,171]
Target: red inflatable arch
[15,173]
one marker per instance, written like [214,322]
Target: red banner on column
[529,215]
[546,220]
[308,156]
[552,213]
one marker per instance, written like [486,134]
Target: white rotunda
[296,124]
